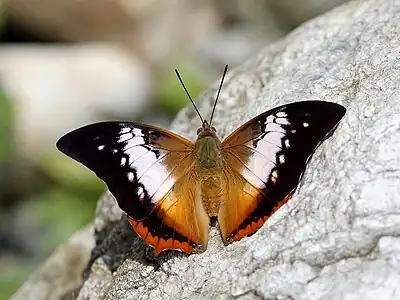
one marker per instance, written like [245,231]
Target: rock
[271,16]
[337,238]
[295,13]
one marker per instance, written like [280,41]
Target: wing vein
[241,176]
[227,145]
[238,158]
[169,174]
[262,154]
[156,161]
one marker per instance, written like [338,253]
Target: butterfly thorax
[209,169]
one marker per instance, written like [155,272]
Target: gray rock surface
[62,272]
[338,237]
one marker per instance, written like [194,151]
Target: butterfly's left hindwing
[146,169]
[266,158]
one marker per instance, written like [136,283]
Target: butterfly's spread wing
[150,173]
[266,158]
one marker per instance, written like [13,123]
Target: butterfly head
[206,130]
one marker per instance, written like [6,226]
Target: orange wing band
[248,228]
[159,243]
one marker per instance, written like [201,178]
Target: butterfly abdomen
[212,195]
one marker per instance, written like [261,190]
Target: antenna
[187,93]
[219,91]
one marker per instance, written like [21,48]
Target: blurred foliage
[170,94]
[70,175]
[5,114]
[63,212]
[53,214]
[75,196]
[50,216]
[2,19]
[5,129]
[11,280]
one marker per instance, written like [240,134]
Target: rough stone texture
[62,272]
[338,236]
[291,10]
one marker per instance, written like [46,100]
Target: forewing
[267,156]
[146,170]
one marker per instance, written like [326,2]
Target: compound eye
[213,129]
[199,130]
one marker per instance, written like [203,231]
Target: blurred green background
[60,204]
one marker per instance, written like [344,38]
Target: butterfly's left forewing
[265,159]
[150,173]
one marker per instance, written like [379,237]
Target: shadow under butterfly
[169,187]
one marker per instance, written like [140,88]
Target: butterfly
[170,187]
